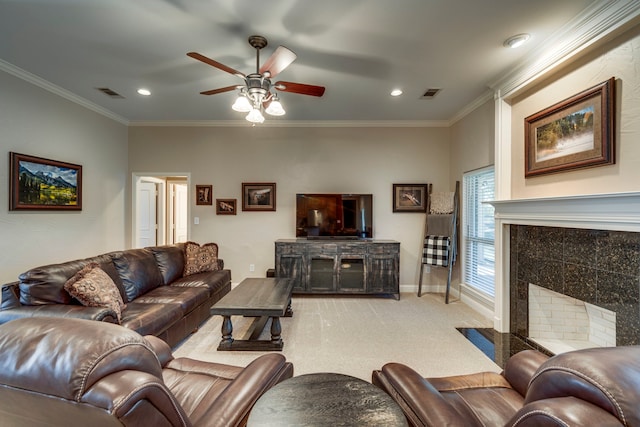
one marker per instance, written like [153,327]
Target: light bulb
[255,116]
[242,104]
[275,108]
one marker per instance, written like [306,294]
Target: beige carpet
[355,335]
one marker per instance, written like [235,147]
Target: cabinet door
[351,274]
[292,266]
[322,268]
[382,274]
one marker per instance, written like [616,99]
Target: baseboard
[468,296]
[477,302]
[425,289]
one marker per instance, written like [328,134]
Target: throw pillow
[94,288]
[198,259]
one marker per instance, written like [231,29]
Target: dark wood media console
[367,267]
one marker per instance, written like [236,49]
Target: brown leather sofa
[75,372]
[159,300]
[592,387]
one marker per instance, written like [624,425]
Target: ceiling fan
[258,91]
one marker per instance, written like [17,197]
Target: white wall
[618,59]
[298,160]
[472,142]
[36,122]
[472,147]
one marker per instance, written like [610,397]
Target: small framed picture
[410,197]
[204,194]
[225,206]
[259,196]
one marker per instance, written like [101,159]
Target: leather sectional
[158,298]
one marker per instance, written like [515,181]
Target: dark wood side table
[326,399]
[262,298]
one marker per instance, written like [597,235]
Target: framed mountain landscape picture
[43,184]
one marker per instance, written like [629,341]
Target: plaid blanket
[436,250]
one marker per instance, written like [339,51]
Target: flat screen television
[334,216]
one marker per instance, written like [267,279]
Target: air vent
[109,92]
[430,93]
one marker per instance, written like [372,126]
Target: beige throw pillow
[199,259]
[94,288]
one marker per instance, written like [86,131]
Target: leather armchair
[599,386]
[74,372]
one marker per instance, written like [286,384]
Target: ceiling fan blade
[300,88]
[277,62]
[219,90]
[216,64]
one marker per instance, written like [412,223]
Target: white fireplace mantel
[613,211]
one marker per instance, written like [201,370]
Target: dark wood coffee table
[325,399]
[262,298]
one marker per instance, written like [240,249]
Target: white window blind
[479,231]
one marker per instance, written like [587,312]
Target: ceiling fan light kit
[258,93]
[255,116]
[275,107]
[242,104]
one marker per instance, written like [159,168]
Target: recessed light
[144,92]
[396,92]
[516,41]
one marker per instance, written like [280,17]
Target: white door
[146,220]
[180,202]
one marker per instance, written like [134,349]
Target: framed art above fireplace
[575,133]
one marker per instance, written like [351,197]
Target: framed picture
[42,184]
[410,197]
[575,133]
[225,206]
[258,196]
[204,194]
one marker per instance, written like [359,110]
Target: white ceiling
[358,49]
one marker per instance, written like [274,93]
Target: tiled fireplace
[597,267]
[560,323]
[570,270]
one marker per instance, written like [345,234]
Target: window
[479,231]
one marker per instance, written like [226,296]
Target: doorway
[160,209]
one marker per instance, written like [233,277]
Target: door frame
[172,183]
[159,178]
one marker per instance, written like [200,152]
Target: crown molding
[296,124]
[601,19]
[471,107]
[42,83]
